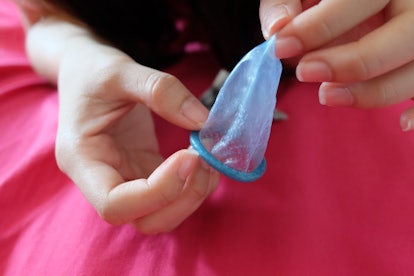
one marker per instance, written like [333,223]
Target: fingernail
[288,47]
[278,17]
[313,71]
[213,180]
[406,124]
[205,165]
[193,110]
[335,96]
[187,166]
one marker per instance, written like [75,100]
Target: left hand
[106,141]
[361,50]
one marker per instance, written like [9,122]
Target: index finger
[131,200]
[275,14]
[163,93]
[324,23]
[119,201]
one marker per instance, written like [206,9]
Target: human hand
[361,51]
[106,141]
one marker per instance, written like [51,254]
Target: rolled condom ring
[235,136]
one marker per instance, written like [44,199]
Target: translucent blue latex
[234,138]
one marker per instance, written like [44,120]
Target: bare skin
[106,141]
[361,51]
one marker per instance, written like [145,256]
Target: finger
[389,89]
[407,119]
[164,94]
[275,14]
[120,203]
[323,23]
[381,51]
[200,184]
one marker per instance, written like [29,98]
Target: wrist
[47,41]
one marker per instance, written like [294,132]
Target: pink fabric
[337,198]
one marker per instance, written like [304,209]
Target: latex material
[219,166]
[238,128]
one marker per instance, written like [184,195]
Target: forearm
[49,40]
[49,30]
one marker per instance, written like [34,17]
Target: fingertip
[214,179]
[335,95]
[194,111]
[202,181]
[405,123]
[274,19]
[275,15]
[314,71]
[182,162]
[407,120]
[186,167]
[287,47]
[168,97]
[189,163]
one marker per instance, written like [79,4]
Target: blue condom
[235,136]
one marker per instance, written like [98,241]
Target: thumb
[164,94]
[275,14]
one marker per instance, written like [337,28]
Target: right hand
[360,50]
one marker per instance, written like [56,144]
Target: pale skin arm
[106,141]
[361,51]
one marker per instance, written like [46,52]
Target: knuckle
[362,68]
[166,195]
[202,190]
[168,198]
[315,33]
[375,94]
[158,85]
[326,30]
[367,65]
[388,93]
[104,77]
[65,151]
[361,99]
